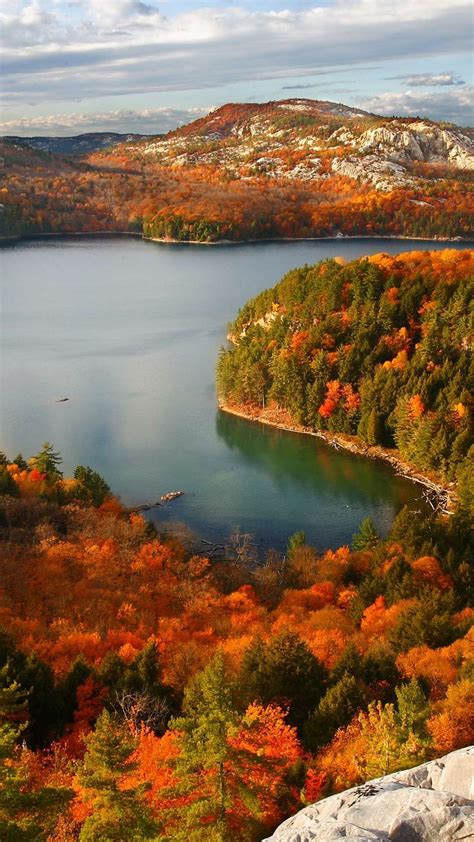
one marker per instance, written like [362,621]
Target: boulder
[431,802]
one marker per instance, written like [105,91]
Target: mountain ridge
[287,169]
[80,144]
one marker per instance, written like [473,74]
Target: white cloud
[425,80]
[146,121]
[454,106]
[61,51]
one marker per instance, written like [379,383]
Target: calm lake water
[130,331]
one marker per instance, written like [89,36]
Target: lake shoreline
[442,491]
[335,238]
[15,238]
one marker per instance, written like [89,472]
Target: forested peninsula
[148,692]
[375,354]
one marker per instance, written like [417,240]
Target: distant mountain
[80,144]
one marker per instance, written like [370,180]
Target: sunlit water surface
[129,331]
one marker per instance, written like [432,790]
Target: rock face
[303,140]
[382,173]
[433,802]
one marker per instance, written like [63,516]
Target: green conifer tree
[118,814]
[25,813]
[48,460]
[367,537]
[336,709]
[284,671]
[208,717]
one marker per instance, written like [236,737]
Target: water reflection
[130,332]
[297,462]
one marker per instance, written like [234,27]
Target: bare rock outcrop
[419,142]
[382,173]
[434,801]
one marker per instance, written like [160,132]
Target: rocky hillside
[434,801]
[311,140]
[80,144]
[289,169]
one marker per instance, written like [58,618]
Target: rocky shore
[439,495]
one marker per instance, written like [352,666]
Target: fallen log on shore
[145,507]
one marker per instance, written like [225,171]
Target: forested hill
[79,144]
[380,348]
[294,168]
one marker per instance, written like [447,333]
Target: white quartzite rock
[431,803]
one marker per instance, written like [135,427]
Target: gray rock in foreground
[433,802]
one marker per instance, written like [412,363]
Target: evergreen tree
[285,671]
[119,813]
[7,483]
[92,488]
[21,462]
[25,813]
[47,461]
[336,709]
[295,541]
[208,766]
[428,622]
[374,433]
[367,537]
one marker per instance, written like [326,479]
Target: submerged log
[144,507]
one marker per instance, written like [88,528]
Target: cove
[129,331]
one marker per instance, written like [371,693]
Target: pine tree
[14,823]
[374,434]
[25,814]
[367,537]
[336,709]
[92,488]
[203,767]
[295,541]
[283,671]
[47,461]
[119,814]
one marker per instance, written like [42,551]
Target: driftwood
[219,550]
[438,498]
[145,507]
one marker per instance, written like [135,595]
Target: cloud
[300,87]
[454,106]
[424,80]
[147,121]
[56,51]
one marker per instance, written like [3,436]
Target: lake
[129,331]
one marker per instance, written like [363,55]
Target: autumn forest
[297,168]
[149,693]
[153,689]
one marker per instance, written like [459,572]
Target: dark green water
[130,332]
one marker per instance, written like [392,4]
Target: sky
[72,66]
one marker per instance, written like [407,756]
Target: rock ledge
[434,801]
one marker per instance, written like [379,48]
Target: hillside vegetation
[295,168]
[148,693]
[379,349]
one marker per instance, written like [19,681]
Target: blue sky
[139,65]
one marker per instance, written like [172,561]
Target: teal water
[130,332]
